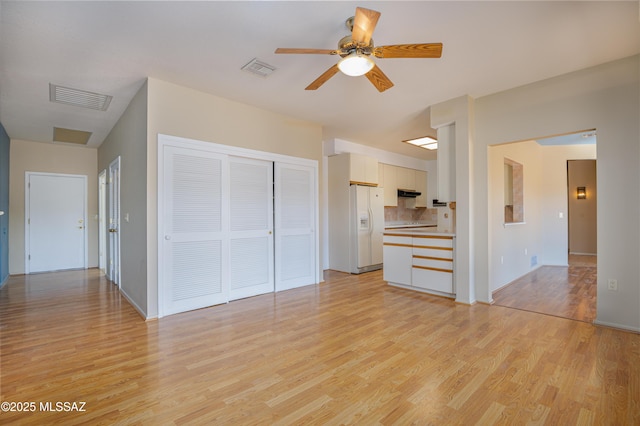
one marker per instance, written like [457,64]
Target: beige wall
[27,156]
[179,111]
[128,140]
[510,242]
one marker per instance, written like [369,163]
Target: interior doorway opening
[560,230]
[582,196]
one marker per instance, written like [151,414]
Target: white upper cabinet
[390,185]
[421,187]
[393,178]
[406,178]
[363,169]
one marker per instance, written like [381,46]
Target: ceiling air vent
[79,137]
[80,98]
[259,68]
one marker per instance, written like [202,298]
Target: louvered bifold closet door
[194,240]
[251,227]
[295,220]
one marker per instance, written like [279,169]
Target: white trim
[615,325]
[102,231]
[27,228]
[233,150]
[117,162]
[506,224]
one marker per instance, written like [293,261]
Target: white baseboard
[619,326]
[134,304]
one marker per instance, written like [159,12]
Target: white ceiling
[111,47]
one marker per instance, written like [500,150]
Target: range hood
[408,193]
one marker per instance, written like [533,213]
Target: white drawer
[432,280]
[393,239]
[434,263]
[433,241]
[438,252]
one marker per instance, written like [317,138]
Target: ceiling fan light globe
[355,64]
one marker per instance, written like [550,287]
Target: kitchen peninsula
[420,259]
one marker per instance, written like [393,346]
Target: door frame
[114,264]
[102,223]
[27,208]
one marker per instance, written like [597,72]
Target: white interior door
[250,227]
[194,241]
[55,222]
[295,242]
[114,221]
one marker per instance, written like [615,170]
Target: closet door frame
[167,140]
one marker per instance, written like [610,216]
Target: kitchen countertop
[409,225]
[417,232]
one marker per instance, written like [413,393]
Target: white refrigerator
[367,210]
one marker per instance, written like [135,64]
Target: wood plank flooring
[563,291]
[352,350]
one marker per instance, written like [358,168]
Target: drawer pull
[450,271]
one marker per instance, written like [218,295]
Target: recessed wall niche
[513,191]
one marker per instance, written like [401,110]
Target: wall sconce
[581,193]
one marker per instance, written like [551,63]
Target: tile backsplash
[402,213]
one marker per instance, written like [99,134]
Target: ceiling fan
[357,50]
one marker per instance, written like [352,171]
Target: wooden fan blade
[363,25]
[311,51]
[379,79]
[425,50]
[323,78]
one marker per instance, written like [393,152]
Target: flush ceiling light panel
[79,98]
[79,137]
[258,67]
[426,142]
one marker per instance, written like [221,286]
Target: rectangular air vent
[79,98]
[259,68]
[79,137]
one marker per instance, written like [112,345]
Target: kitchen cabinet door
[397,260]
[421,186]
[390,185]
[363,169]
[406,178]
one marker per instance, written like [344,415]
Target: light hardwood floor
[563,291]
[352,350]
